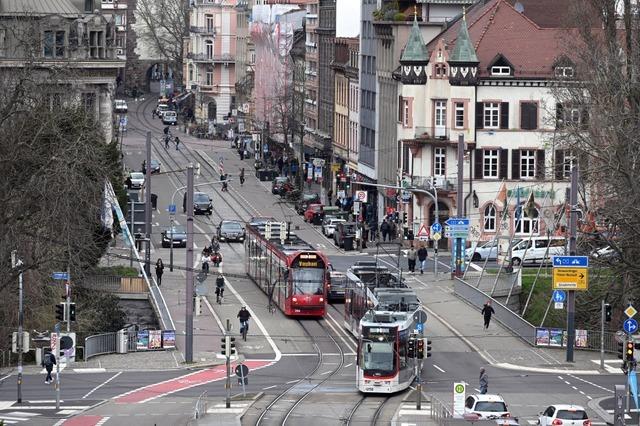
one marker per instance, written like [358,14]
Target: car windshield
[378,356]
[137,176]
[572,415]
[231,226]
[308,280]
[200,198]
[491,406]
[281,179]
[170,113]
[177,230]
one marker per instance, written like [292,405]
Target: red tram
[288,270]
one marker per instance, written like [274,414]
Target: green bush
[399,17]
[122,271]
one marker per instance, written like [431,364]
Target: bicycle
[219,296]
[244,328]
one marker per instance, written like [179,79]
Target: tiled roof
[547,13]
[415,50]
[446,1]
[497,28]
[37,7]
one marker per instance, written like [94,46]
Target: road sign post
[242,371]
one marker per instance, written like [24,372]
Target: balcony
[432,133]
[208,31]
[203,57]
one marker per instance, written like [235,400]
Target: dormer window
[500,70]
[564,72]
[440,70]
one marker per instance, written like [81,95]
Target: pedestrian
[393,230]
[384,229]
[177,143]
[422,257]
[128,182]
[48,362]
[483,381]
[241,154]
[373,235]
[242,176]
[412,255]
[329,195]
[280,166]
[159,271]
[153,113]
[487,311]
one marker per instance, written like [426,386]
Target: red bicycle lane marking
[83,421]
[187,381]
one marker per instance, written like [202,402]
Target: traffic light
[60,312]
[347,184]
[621,350]
[420,348]
[607,312]
[628,353]
[72,311]
[404,218]
[411,347]
[428,345]
[228,345]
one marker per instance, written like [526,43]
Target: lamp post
[15,264]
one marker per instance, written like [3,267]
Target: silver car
[329,225]
[137,180]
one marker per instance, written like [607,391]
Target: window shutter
[504,115]
[478,163]
[479,115]
[584,118]
[515,164]
[529,116]
[559,116]
[504,164]
[400,108]
[540,166]
[559,164]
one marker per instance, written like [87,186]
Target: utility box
[122,341]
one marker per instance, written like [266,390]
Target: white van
[534,250]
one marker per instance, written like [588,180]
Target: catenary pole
[147,219]
[571,294]
[188,353]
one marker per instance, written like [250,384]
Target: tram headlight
[294,299]
[322,299]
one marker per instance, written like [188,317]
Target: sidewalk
[497,345]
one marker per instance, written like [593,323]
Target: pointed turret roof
[416,49]
[463,51]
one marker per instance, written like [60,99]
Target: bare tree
[164,27]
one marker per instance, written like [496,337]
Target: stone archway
[443,215]
[212,110]
[160,76]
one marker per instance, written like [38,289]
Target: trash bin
[348,243]
[122,341]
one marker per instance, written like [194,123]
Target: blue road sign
[458,221]
[420,327]
[171,209]
[559,296]
[60,276]
[630,325]
[436,227]
[571,261]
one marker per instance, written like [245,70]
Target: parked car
[337,285]
[304,201]
[278,185]
[313,210]
[137,180]
[161,108]
[155,166]
[485,407]
[606,254]
[177,233]
[343,230]
[169,118]
[564,415]
[483,251]
[202,203]
[120,105]
[534,250]
[329,225]
[231,230]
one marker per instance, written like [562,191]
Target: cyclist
[219,288]
[215,245]
[242,176]
[244,316]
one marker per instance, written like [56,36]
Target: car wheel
[165,245]
[516,261]
[476,257]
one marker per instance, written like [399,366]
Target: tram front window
[378,358]
[308,280]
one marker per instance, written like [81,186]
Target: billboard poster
[542,337]
[169,339]
[555,337]
[581,339]
[155,339]
[142,341]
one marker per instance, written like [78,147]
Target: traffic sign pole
[573,229]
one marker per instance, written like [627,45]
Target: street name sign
[458,221]
[571,278]
[60,276]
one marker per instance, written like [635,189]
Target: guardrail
[513,321]
[107,343]
[116,284]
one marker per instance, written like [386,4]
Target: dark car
[202,203]
[231,230]
[260,220]
[279,184]
[179,235]
[303,203]
[155,166]
[343,230]
[337,285]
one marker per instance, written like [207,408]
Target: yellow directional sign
[630,311]
[571,278]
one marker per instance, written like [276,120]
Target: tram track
[299,387]
[367,409]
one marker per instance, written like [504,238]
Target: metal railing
[116,284]
[203,57]
[107,343]
[439,411]
[200,410]
[514,322]
[202,30]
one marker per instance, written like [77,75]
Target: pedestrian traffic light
[72,311]
[60,312]
[420,348]
[411,347]
[628,354]
[607,312]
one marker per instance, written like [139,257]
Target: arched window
[190,72]
[490,218]
[526,225]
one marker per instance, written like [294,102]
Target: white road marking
[574,387]
[348,365]
[326,372]
[269,387]
[292,381]
[102,384]
[567,382]
[591,383]
[438,368]
[5,378]
[300,354]
[337,331]
[90,370]
[66,412]
[102,421]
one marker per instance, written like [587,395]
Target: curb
[594,404]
